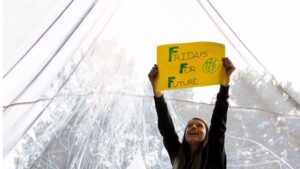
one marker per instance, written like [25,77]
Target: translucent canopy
[77,93]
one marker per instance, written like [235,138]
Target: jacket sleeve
[166,127]
[216,141]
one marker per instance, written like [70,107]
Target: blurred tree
[251,89]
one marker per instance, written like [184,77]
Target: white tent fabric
[77,94]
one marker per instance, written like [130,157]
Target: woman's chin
[194,140]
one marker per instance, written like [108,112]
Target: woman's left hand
[229,68]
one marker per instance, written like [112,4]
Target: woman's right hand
[152,75]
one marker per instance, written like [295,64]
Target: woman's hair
[184,152]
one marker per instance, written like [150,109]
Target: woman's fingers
[153,73]
[227,63]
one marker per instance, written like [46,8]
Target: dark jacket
[213,154]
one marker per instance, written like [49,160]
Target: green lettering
[171,51]
[170,81]
[182,66]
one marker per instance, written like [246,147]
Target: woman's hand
[152,75]
[229,68]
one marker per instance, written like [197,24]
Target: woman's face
[195,131]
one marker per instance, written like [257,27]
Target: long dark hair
[180,161]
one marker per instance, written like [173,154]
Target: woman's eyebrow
[196,123]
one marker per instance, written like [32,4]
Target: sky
[270,30]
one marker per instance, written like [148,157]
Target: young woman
[201,147]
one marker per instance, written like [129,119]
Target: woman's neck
[194,148]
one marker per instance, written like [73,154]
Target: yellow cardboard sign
[188,65]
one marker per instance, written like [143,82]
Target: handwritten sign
[187,65]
